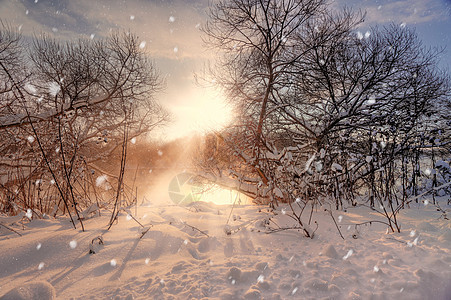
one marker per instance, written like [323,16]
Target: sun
[200,111]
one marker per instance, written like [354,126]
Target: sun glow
[201,111]
[221,196]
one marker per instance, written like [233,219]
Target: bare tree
[325,110]
[75,108]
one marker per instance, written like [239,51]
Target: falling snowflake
[26,12]
[38,246]
[147,261]
[350,252]
[160,153]
[402,25]
[133,141]
[379,7]
[172,19]
[92,36]
[412,233]
[30,88]
[185,242]
[162,281]
[284,211]
[113,262]
[29,214]
[54,29]
[52,181]
[340,218]
[176,49]
[426,202]
[101,180]
[261,278]
[359,35]
[197,26]
[35,1]
[41,265]
[142,45]
[376,269]
[132,17]
[30,139]
[294,291]
[233,281]
[54,88]
[73,244]
[367,34]
[128,217]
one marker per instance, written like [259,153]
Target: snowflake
[38,246]
[402,25]
[172,19]
[412,233]
[92,36]
[376,269]
[113,262]
[142,45]
[128,217]
[54,88]
[101,180]
[29,214]
[359,35]
[294,291]
[133,141]
[176,49]
[54,29]
[52,181]
[30,88]
[73,244]
[340,218]
[41,265]
[132,17]
[160,153]
[147,261]
[26,12]
[367,34]
[261,278]
[350,252]
[30,139]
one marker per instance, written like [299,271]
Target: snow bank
[187,254]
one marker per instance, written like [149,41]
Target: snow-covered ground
[186,254]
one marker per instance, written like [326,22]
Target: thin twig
[7,227]
[195,228]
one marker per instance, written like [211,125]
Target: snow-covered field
[186,254]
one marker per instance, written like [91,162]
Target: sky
[170,29]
